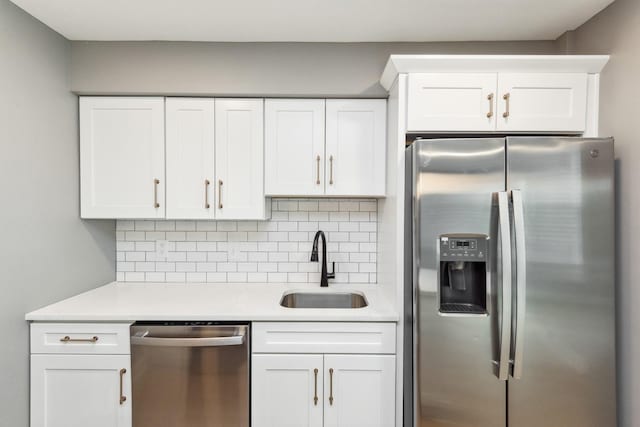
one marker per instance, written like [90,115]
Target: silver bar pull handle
[521,282]
[507,105]
[331,386]
[155,193]
[318,170]
[490,99]
[505,249]
[187,342]
[220,194]
[206,193]
[330,170]
[315,387]
[123,398]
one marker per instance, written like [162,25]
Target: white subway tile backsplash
[254,251]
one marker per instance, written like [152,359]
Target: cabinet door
[451,102]
[284,388]
[294,147]
[355,147]
[80,390]
[239,161]
[190,147]
[542,102]
[359,390]
[122,157]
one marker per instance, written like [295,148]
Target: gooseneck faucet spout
[324,276]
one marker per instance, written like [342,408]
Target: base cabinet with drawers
[80,375]
[323,374]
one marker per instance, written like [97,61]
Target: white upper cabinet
[355,147]
[497,102]
[443,102]
[542,102]
[122,157]
[294,147]
[190,158]
[239,159]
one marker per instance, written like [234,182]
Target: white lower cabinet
[323,390]
[80,390]
[80,375]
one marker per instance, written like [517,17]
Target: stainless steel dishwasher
[190,374]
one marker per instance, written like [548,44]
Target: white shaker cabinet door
[80,390]
[190,158]
[122,157]
[287,390]
[355,147]
[542,102]
[294,147]
[359,390]
[451,102]
[239,162]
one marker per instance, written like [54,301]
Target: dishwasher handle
[145,340]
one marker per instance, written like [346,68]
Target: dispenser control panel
[458,247]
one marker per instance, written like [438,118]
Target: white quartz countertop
[128,302]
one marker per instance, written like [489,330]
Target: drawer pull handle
[123,398]
[330,386]
[490,99]
[220,194]
[315,387]
[69,339]
[507,98]
[155,193]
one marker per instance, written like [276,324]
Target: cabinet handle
[330,170]
[220,194]
[318,170]
[315,387]
[330,386]
[69,339]
[123,398]
[490,99]
[155,193]
[507,98]
[206,194]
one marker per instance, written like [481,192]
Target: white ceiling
[312,20]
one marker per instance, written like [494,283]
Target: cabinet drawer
[80,338]
[308,337]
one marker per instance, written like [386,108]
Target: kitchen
[240,267]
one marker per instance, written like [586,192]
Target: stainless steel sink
[323,300]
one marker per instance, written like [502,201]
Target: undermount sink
[323,300]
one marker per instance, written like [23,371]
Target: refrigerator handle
[521,282]
[505,248]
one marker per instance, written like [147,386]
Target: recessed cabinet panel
[451,102]
[355,147]
[542,102]
[359,390]
[294,147]
[122,157]
[80,391]
[239,159]
[190,158]
[287,390]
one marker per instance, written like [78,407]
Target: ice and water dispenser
[462,274]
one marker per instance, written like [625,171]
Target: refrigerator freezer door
[455,184]
[568,370]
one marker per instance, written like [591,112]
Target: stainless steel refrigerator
[510,290]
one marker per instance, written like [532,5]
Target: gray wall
[46,252]
[616,31]
[250,69]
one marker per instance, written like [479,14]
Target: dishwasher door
[190,374]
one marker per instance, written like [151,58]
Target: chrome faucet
[324,282]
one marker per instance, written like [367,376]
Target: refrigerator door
[566,368]
[455,191]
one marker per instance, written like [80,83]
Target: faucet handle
[332,275]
